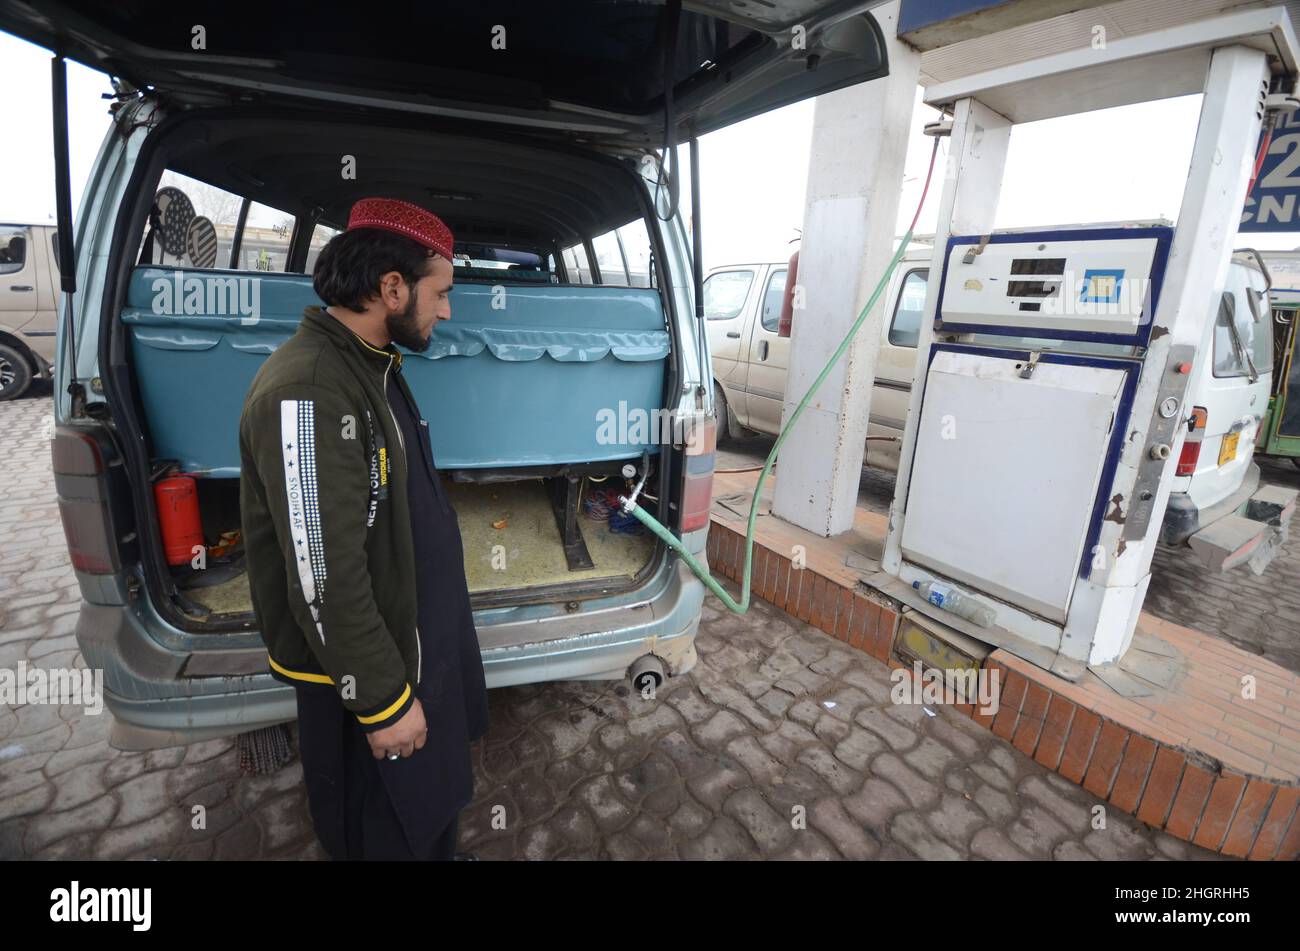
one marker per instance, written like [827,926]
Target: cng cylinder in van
[177,501]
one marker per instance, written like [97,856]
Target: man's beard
[404,328]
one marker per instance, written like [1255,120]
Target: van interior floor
[229,597]
[514,515]
[530,539]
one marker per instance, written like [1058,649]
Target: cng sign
[1274,203]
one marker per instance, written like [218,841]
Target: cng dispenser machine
[1048,409]
[1030,404]
[1052,366]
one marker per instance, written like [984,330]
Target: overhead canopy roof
[931,24]
[1157,64]
[1020,30]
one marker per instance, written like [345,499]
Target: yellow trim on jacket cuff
[385,714]
[298,675]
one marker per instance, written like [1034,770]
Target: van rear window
[194,224]
[1241,344]
[479,262]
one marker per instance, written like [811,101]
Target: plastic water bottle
[946,597]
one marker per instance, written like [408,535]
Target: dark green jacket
[326,525]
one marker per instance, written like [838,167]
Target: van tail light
[1191,453]
[697,480]
[1187,460]
[79,482]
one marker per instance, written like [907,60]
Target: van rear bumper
[601,644]
[1183,519]
[154,703]
[1250,532]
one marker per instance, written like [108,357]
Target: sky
[754,174]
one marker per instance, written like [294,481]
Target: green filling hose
[671,540]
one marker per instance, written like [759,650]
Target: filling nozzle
[629,470]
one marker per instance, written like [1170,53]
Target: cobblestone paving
[1257,613]
[778,722]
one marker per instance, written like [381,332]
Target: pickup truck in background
[29,277]
[1217,507]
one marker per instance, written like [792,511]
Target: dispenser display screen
[1032,288]
[1038,266]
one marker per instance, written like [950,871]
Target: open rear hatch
[576,78]
[587,71]
[519,400]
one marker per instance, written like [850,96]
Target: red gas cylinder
[177,499]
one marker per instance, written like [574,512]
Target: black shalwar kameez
[367,808]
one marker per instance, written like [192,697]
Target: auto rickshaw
[1280,429]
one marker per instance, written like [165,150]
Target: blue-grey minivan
[574,361]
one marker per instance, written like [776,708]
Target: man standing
[354,551]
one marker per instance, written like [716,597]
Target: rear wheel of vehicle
[15,373]
[723,414]
[1295,462]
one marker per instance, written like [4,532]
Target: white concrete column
[855,173]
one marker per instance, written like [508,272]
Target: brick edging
[1188,795]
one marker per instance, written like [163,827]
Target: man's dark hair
[349,267]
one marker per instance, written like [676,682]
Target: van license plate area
[1228,450]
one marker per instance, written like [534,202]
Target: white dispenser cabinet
[1047,410]
[1026,418]
[1006,488]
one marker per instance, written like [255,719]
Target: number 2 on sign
[1282,176]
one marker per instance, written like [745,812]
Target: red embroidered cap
[404,218]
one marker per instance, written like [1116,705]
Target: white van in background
[29,277]
[1228,393]
[1210,507]
[742,310]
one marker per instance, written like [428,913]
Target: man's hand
[405,736]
